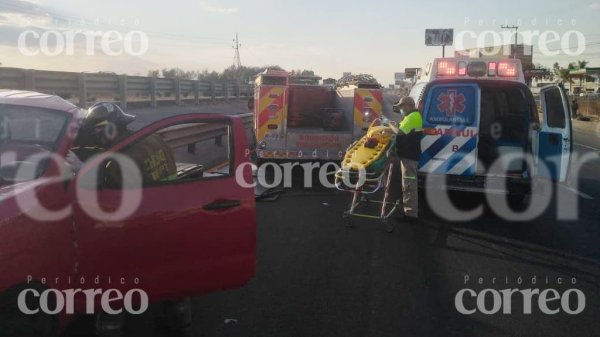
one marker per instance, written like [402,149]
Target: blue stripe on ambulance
[436,147]
[457,157]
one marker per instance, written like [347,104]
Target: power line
[569,47]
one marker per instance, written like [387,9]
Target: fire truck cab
[481,122]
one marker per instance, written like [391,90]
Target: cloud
[220,10]
[210,8]
[595,5]
[20,13]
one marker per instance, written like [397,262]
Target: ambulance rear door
[555,137]
[450,127]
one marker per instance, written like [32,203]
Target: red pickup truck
[192,233]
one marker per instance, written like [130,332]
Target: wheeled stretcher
[366,169]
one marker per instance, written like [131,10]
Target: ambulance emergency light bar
[455,68]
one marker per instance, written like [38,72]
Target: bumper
[478,184]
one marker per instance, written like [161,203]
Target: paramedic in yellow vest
[408,147]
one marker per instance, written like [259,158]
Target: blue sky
[377,37]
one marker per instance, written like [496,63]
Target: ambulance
[300,121]
[481,122]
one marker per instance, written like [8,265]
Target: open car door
[555,136]
[189,229]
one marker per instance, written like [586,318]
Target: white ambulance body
[479,114]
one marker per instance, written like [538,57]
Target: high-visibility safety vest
[408,141]
[412,122]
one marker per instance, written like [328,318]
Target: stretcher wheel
[389,227]
[347,220]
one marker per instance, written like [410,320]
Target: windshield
[30,125]
[26,133]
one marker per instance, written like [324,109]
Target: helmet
[101,114]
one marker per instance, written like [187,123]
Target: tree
[564,74]
[582,64]
[232,74]
[179,73]
[543,73]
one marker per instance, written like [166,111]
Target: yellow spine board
[358,156]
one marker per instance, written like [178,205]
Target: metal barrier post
[153,91]
[30,79]
[196,86]
[213,93]
[123,91]
[82,84]
[177,89]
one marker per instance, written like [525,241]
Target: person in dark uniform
[104,126]
[574,107]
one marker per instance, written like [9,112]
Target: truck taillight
[446,68]
[462,68]
[492,69]
[507,69]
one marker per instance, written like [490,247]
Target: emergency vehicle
[477,112]
[309,121]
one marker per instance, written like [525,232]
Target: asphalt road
[316,277]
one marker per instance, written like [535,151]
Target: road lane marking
[587,147]
[581,194]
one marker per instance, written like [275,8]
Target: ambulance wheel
[347,220]
[389,226]
[516,199]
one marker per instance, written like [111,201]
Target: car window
[30,125]
[555,113]
[174,154]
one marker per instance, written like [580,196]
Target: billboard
[439,37]
[411,72]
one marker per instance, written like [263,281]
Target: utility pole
[237,62]
[516,28]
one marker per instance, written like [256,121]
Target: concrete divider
[84,89]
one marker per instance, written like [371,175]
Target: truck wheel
[110,325]
[347,220]
[389,226]
[176,316]
[15,323]
[516,199]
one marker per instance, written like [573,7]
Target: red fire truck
[300,120]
